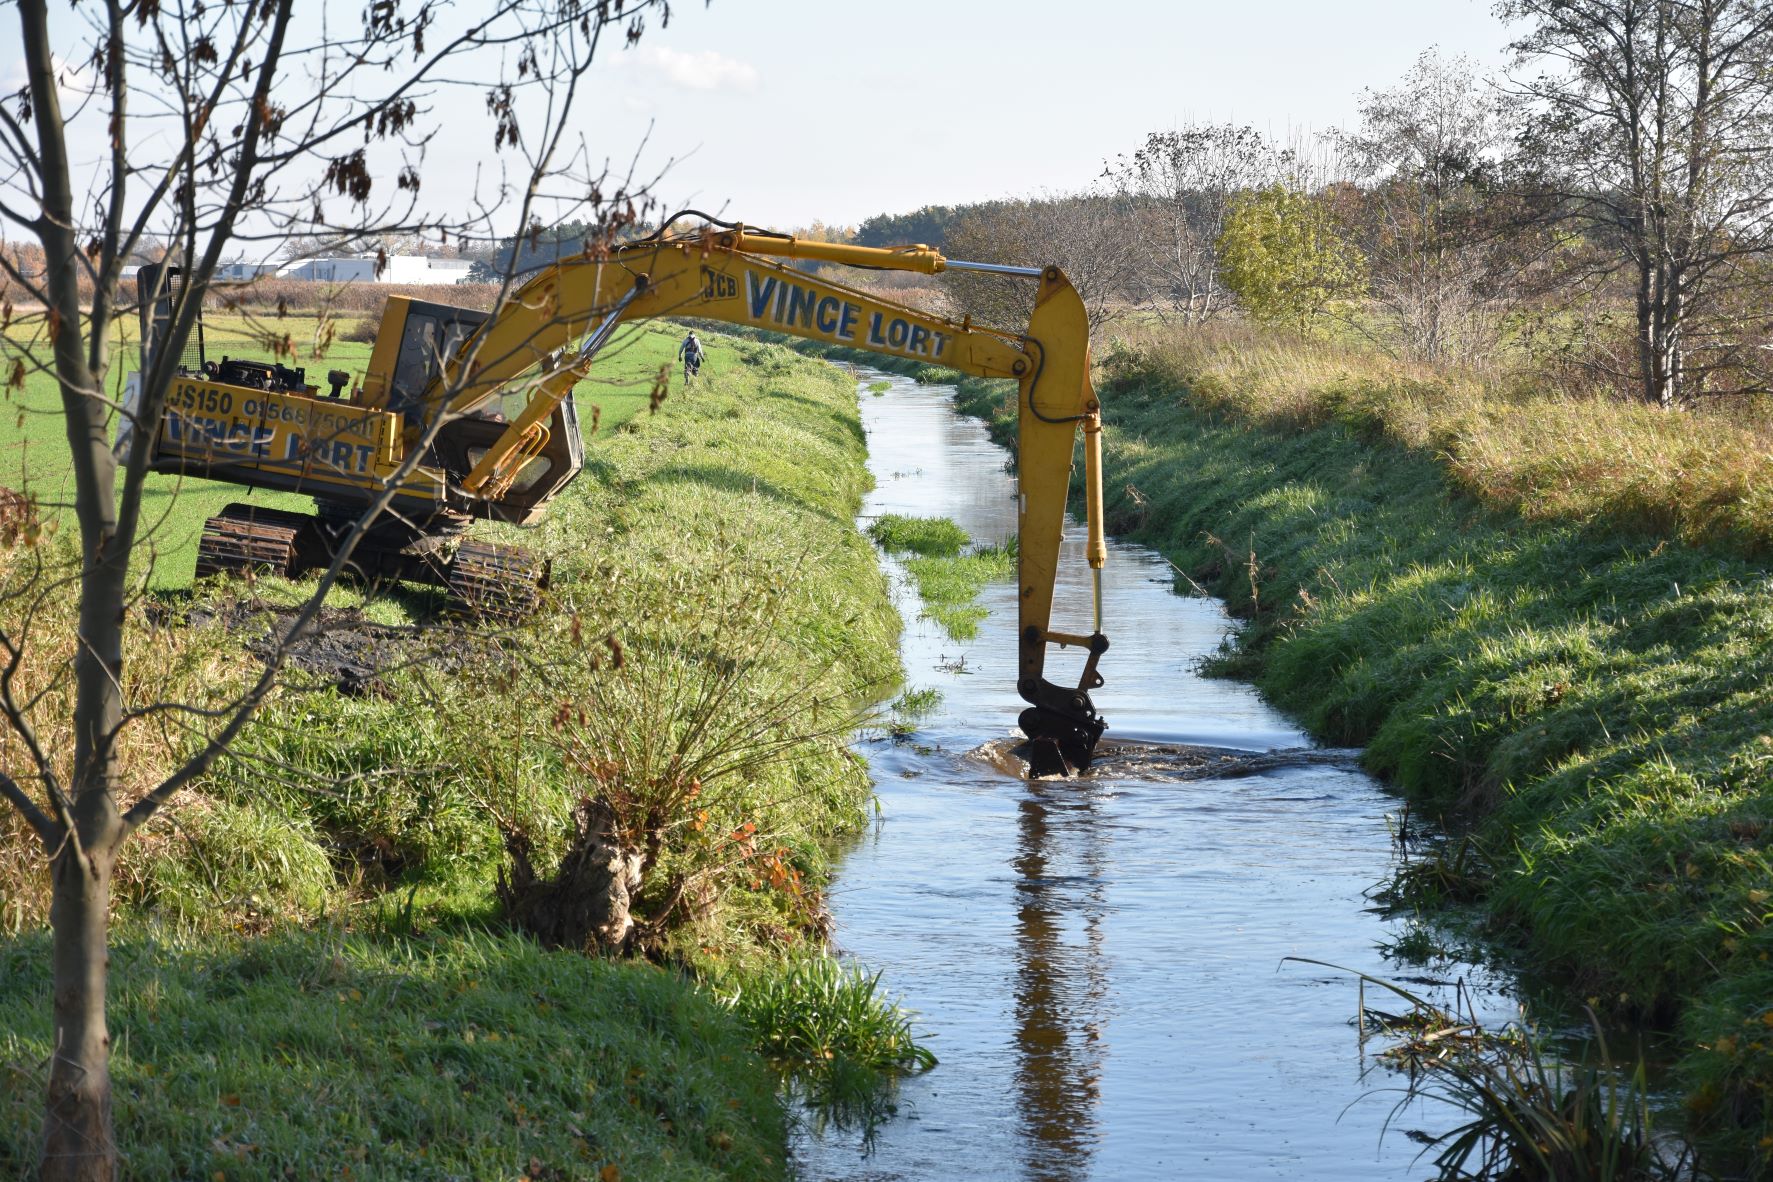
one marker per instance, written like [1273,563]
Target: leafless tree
[1652,127]
[1439,260]
[215,126]
[1180,185]
[1091,235]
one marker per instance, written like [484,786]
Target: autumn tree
[1650,126]
[1285,257]
[1091,235]
[207,127]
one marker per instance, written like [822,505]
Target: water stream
[1099,964]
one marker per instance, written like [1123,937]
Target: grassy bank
[1569,680]
[708,547]
[477,1056]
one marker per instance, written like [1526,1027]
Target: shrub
[683,739]
[1282,256]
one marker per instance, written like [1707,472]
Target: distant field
[34,454]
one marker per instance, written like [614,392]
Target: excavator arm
[720,275]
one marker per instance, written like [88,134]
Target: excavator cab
[414,344]
[464,442]
[414,341]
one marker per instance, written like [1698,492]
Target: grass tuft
[949,587]
[829,1027]
[935,537]
[1530,1111]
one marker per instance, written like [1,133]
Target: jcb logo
[716,286]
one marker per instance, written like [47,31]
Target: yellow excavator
[465,414]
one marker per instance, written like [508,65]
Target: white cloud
[704,70]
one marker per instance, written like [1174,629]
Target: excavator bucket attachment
[1056,399]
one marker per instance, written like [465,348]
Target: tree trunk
[1673,323]
[1661,310]
[77,1129]
[586,905]
[1649,359]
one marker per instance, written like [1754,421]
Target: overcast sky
[783,111]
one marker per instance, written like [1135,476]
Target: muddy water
[1100,964]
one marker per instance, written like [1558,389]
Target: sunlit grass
[832,1030]
[1512,442]
[931,536]
[468,1056]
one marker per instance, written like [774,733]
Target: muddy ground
[341,646]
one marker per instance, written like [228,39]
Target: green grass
[932,536]
[900,717]
[470,1056]
[949,587]
[1531,1108]
[914,703]
[1590,699]
[832,1030]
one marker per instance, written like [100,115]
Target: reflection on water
[1061,988]
[1100,964]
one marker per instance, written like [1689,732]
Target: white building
[412,268]
[361,269]
[240,272]
[401,268]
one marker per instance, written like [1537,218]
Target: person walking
[691,352]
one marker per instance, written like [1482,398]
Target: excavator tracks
[251,539]
[484,580]
[493,582]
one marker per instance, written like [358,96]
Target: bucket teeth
[1058,744]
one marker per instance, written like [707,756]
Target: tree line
[1603,205]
